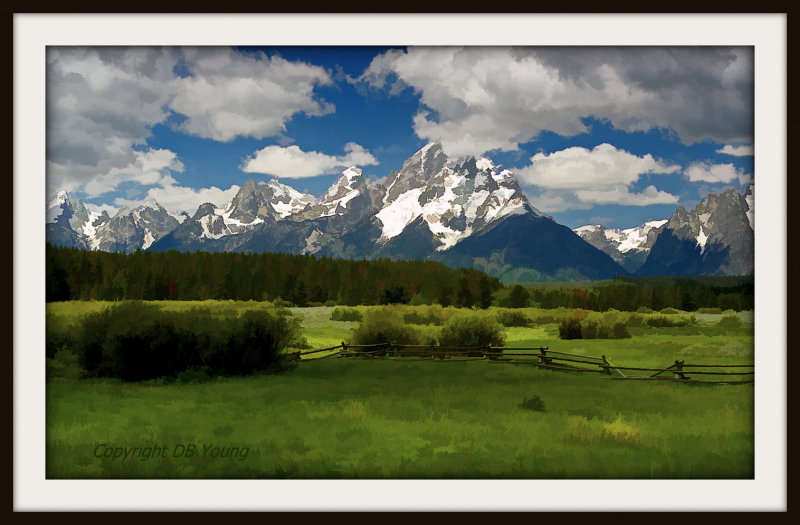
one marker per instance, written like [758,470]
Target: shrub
[661,321]
[346,314]
[604,332]
[644,310]
[281,311]
[193,375]
[544,319]
[709,311]
[471,330]
[580,315]
[670,311]
[729,322]
[635,320]
[419,299]
[433,315]
[513,318]
[280,303]
[594,330]
[57,335]
[621,331]
[534,403]
[570,329]
[136,341]
[384,326]
[65,364]
[589,330]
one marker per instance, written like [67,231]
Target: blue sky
[615,136]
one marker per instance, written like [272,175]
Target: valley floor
[343,418]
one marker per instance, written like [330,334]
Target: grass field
[343,418]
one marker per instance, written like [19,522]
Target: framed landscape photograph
[408,262]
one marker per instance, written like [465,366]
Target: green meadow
[393,418]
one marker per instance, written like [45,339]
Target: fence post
[344,349]
[605,365]
[679,370]
[543,359]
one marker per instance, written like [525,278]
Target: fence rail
[543,358]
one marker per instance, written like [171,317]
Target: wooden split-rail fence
[543,357]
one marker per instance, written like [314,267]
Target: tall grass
[337,418]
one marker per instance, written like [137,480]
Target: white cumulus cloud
[150,167]
[621,195]
[577,167]
[230,94]
[485,98]
[736,151]
[103,102]
[181,198]
[579,178]
[722,173]
[293,163]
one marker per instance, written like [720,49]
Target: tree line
[304,280]
[301,280]
[631,294]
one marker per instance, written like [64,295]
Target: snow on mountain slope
[629,247]
[345,189]
[454,198]
[253,205]
[286,200]
[714,238]
[623,240]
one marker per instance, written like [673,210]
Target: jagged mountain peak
[351,195]
[264,201]
[454,197]
[629,247]
[714,238]
[348,181]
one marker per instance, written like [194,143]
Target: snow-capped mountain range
[629,247]
[453,198]
[70,223]
[717,221]
[463,212]
[715,238]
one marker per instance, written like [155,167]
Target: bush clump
[513,318]
[136,341]
[534,403]
[594,330]
[620,331]
[570,329]
[670,311]
[57,336]
[471,331]
[729,322]
[384,326]
[634,320]
[709,311]
[432,315]
[346,314]
[660,321]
